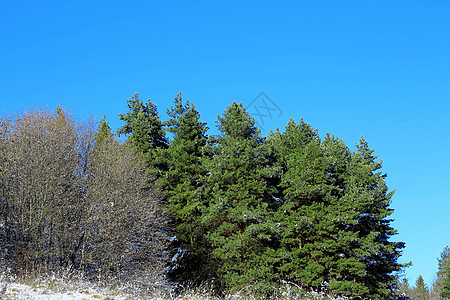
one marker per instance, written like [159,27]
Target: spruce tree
[237,217]
[180,183]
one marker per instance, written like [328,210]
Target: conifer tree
[302,183]
[443,266]
[180,183]
[421,290]
[144,128]
[315,247]
[237,218]
[445,285]
[103,133]
[443,261]
[443,275]
[333,217]
[368,190]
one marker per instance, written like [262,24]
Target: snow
[56,288]
[23,291]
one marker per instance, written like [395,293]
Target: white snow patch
[23,291]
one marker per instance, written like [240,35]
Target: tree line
[73,197]
[247,211]
[440,288]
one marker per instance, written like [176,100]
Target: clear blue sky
[374,68]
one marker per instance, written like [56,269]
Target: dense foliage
[74,198]
[180,181]
[237,217]
[246,211]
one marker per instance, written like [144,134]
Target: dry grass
[70,285]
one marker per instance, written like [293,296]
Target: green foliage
[144,128]
[103,133]
[371,200]
[443,275]
[333,222]
[445,288]
[421,290]
[300,160]
[180,182]
[443,281]
[237,217]
[244,211]
[443,261]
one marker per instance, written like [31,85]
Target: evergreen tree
[334,230]
[443,269]
[421,290]
[303,184]
[443,261]
[316,245]
[180,183]
[144,128]
[367,190]
[445,285]
[237,217]
[103,133]
[443,275]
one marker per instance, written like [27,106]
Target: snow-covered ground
[65,285]
[69,288]
[23,291]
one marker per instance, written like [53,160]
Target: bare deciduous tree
[43,180]
[72,197]
[124,223]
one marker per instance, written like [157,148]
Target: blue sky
[373,68]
